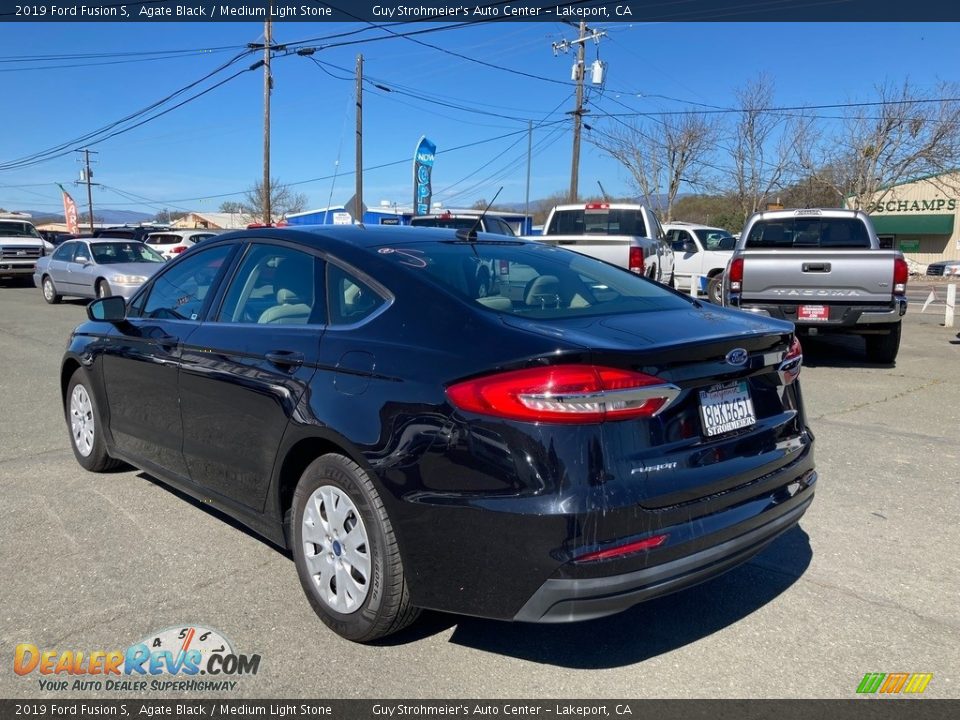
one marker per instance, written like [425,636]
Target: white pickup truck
[20,246]
[619,233]
[700,251]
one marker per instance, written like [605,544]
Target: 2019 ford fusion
[558,446]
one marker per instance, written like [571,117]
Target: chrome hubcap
[48,289]
[336,549]
[81,420]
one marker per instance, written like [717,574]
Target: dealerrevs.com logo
[187,658]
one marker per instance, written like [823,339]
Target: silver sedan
[95,268]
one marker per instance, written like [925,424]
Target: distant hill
[116,217]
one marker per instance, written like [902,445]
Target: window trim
[387,296]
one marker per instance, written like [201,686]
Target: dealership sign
[423,158]
[903,206]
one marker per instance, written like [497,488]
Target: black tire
[386,607]
[50,293]
[673,282]
[102,289]
[715,289]
[96,459]
[883,349]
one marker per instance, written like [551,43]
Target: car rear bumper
[574,599]
[842,317]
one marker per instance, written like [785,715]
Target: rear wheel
[884,348]
[50,293]
[346,552]
[715,289]
[86,431]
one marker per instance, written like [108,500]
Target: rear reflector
[564,394]
[621,550]
[636,260]
[900,274]
[789,369]
[735,275]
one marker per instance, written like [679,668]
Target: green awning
[913,224]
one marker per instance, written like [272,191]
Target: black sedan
[560,446]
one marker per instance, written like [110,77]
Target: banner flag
[423,158]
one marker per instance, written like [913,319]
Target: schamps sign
[170,660]
[423,158]
[902,206]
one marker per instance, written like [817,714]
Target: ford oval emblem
[737,356]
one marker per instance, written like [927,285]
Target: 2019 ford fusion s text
[556,445]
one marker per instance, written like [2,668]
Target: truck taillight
[900,274]
[636,260]
[735,275]
[597,206]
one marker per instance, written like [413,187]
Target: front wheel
[103,289]
[883,349]
[50,293]
[346,552]
[83,421]
[715,289]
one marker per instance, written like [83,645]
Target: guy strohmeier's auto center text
[280,11]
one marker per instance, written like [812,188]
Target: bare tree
[763,146]
[283,200]
[232,206]
[908,133]
[661,155]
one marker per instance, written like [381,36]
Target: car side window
[275,285]
[64,252]
[180,292]
[350,299]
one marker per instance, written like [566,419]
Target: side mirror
[684,246]
[108,309]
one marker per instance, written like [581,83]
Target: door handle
[816,267]
[285,358]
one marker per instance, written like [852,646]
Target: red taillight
[597,206]
[564,394]
[900,274]
[789,369]
[735,275]
[178,249]
[621,550]
[636,260]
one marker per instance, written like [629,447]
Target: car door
[247,366]
[57,267]
[142,357]
[83,271]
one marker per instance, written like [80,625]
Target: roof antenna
[471,234]
[606,198]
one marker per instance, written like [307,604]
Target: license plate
[726,407]
[819,313]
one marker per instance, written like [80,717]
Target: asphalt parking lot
[868,583]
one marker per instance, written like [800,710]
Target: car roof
[692,226]
[809,212]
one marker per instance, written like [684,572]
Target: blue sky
[213,145]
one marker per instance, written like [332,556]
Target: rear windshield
[597,222]
[813,232]
[450,222]
[532,280]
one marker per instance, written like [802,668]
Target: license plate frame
[813,313]
[726,407]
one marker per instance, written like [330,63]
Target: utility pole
[579,71]
[267,87]
[526,204]
[578,115]
[358,192]
[86,175]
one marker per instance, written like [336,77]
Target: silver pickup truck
[824,271]
[622,234]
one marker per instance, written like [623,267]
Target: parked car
[126,232]
[95,268]
[824,270]
[493,224]
[701,251]
[338,389]
[171,243]
[943,267]
[21,245]
[54,237]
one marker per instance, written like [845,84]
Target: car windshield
[18,229]
[601,221]
[112,253]
[532,280]
[802,232]
[716,239]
